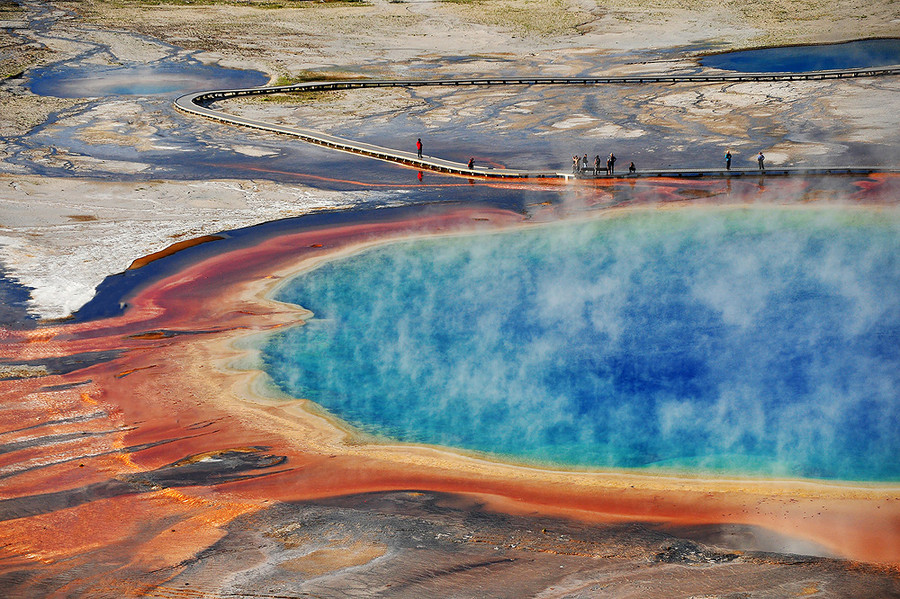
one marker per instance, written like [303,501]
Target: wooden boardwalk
[775,171]
[197,104]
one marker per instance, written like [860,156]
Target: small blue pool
[802,59]
[92,81]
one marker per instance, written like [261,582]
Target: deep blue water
[759,342]
[84,81]
[801,59]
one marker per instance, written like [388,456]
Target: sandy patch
[21,113]
[329,559]
[121,122]
[613,131]
[763,22]
[861,107]
[326,111]
[574,122]
[253,151]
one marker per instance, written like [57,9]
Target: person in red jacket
[419,147]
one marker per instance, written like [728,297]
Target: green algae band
[749,342]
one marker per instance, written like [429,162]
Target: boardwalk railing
[197,103]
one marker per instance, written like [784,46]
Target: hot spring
[855,54]
[729,341]
[164,77]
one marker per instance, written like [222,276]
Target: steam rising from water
[758,341]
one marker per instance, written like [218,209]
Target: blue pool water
[84,81]
[801,59]
[760,342]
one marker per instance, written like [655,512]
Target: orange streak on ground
[125,373]
[511,183]
[175,247]
[180,391]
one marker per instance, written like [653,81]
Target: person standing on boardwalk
[761,160]
[584,163]
[727,160]
[597,164]
[611,164]
[575,163]
[419,147]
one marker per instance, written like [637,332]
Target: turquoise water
[761,342]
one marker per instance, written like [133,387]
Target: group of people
[760,160]
[580,165]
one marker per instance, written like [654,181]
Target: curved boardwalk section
[197,103]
